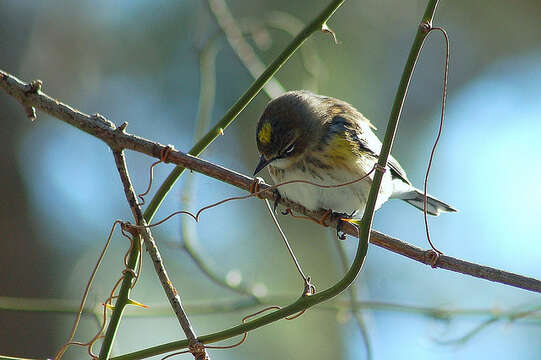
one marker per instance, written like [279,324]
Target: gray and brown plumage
[304,136]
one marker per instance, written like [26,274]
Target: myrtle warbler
[304,136]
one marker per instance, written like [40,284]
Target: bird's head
[289,124]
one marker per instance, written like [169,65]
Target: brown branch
[103,129]
[173,296]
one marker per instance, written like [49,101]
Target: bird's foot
[339,217]
[324,217]
[277,198]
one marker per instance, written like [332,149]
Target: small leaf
[136,303]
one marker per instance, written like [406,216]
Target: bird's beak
[262,163]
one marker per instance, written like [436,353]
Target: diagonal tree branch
[98,126]
[173,296]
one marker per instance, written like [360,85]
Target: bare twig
[311,61]
[246,54]
[442,115]
[103,129]
[172,294]
[305,278]
[470,334]
[63,349]
[523,314]
[190,241]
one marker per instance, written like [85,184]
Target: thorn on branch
[33,88]
[327,29]
[123,127]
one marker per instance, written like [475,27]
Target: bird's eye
[289,149]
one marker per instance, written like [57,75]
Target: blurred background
[140,61]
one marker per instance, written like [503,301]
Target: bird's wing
[337,107]
[397,170]
[366,140]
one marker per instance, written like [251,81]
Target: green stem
[400,97]
[122,300]
[241,103]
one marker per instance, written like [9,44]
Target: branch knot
[34,87]
[431,258]
[425,26]
[198,350]
[103,120]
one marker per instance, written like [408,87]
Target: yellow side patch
[264,134]
[341,147]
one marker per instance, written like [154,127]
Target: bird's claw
[277,198]
[340,222]
[339,233]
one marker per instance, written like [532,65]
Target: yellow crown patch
[264,134]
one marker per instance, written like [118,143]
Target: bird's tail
[434,206]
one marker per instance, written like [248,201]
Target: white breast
[345,199]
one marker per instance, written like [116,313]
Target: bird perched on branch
[304,136]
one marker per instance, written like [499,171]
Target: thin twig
[442,116]
[469,335]
[246,54]
[190,242]
[522,314]
[103,129]
[286,242]
[63,349]
[314,66]
[173,296]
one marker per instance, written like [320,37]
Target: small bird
[304,136]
